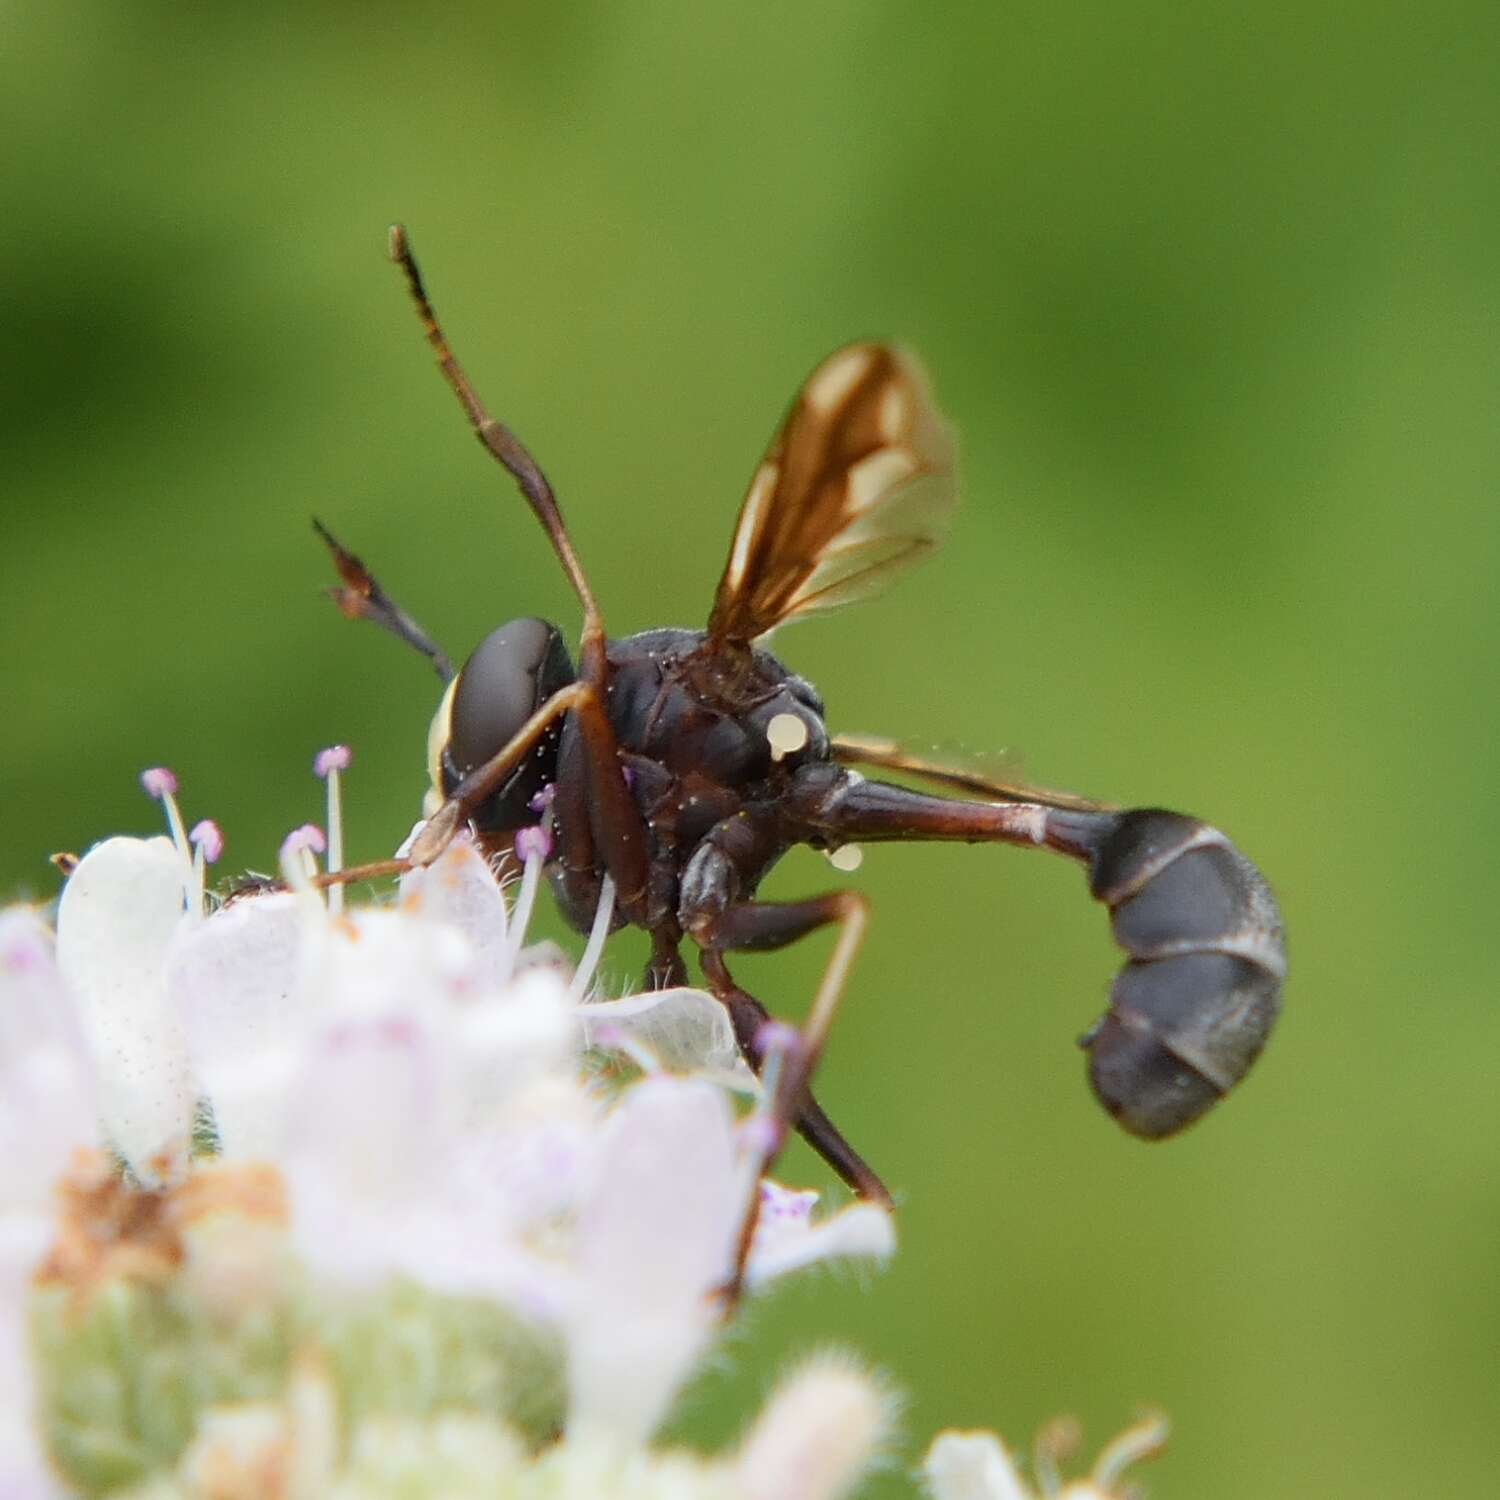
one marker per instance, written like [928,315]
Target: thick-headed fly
[677,766]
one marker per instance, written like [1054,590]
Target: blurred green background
[1210,293]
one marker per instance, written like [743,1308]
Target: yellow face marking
[437,740]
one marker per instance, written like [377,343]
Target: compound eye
[512,672]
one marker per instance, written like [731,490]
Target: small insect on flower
[673,768]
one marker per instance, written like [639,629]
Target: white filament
[590,960]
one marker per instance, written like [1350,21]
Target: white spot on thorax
[787,734]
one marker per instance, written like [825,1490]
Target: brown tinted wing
[957,773]
[856,488]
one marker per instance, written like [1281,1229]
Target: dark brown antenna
[362,598]
[502,444]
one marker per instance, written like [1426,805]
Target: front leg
[619,831]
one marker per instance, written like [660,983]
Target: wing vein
[857,487]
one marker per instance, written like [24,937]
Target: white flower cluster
[371,1218]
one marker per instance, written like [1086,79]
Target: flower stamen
[208,844]
[603,916]
[533,849]
[1144,1440]
[328,764]
[1055,1444]
[299,865]
[160,784]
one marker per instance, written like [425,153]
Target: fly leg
[665,969]
[749,1017]
[711,912]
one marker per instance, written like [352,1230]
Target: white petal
[47,1104]
[504,1041]
[377,1181]
[119,911]
[816,1436]
[423,1103]
[495,1041]
[862,1231]
[534,1167]
[404,847]
[784,1212]
[362,1145]
[381,1182]
[661,1209]
[653,1241]
[367,1106]
[24,1472]
[235,981]
[461,890]
[683,1030]
[971,1466]
[383,960]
